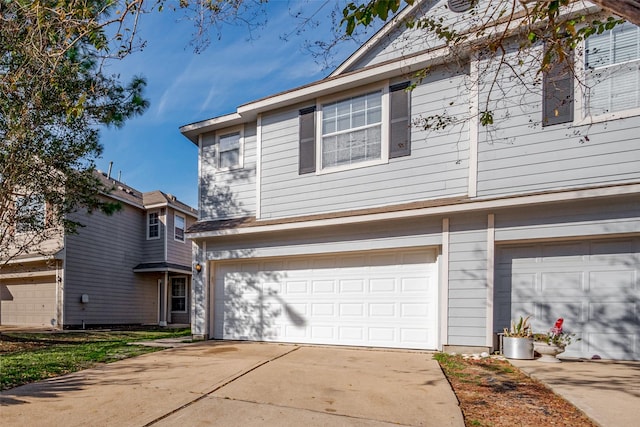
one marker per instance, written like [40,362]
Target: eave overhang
[251,226]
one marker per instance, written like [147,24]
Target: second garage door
[28,304]
[593,284]
[383,299]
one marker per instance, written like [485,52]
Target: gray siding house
[133,267]
[327,216]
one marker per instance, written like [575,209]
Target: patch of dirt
[493,393]
[7,347]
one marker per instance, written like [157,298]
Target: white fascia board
[162,270]
[172,206]
[357,78]
[329,86]
[36,258]
[192,130]
[508,202]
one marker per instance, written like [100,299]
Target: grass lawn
[30,357]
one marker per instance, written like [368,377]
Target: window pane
[344,123]
[230,142]
[229,158]
[625,42]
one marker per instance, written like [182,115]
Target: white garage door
[384,299]
[32,304]
[594,285]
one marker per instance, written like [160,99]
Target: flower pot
[517,347]
[548,351]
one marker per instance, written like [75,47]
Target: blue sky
[184,87]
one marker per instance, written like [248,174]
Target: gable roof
[149,200]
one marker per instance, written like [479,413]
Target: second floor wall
[337,151]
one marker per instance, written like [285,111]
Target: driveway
[244,384]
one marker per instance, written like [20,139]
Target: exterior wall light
[198,267]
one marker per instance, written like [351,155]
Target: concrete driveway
[244,384]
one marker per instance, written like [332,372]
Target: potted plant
[517,342]
[552,343]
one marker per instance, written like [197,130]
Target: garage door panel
[612,345]
[593,285]
[367,299]
[602,282]
[565,284]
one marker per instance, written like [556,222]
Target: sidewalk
[607,391]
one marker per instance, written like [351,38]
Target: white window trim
[384,128]
[579,93]
[148,225]
[236,129]
[186,294]
[184,228]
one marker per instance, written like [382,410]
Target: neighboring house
[327,217]
[132,267]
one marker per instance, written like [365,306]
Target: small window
[30,214]
[153,225]
[179,294]
[178,226]
[557,92]
[612,70]
[230,150]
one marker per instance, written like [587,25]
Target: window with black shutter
[400,121]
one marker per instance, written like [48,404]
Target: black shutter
[400,121]
[557,93]
[307,142]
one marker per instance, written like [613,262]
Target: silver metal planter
[517,348]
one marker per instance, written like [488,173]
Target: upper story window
[229,150]
[30,214]
[355,131]
[612,70]
[352,130]
[153,225]
[178,226]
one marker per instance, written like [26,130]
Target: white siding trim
[491,247]
[199,176]
[444,285]
[474,126]
[60,293]
[258,166]
[438,210]
[166,231]
[159,283]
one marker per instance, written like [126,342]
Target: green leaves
[364,14]
[53,98]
